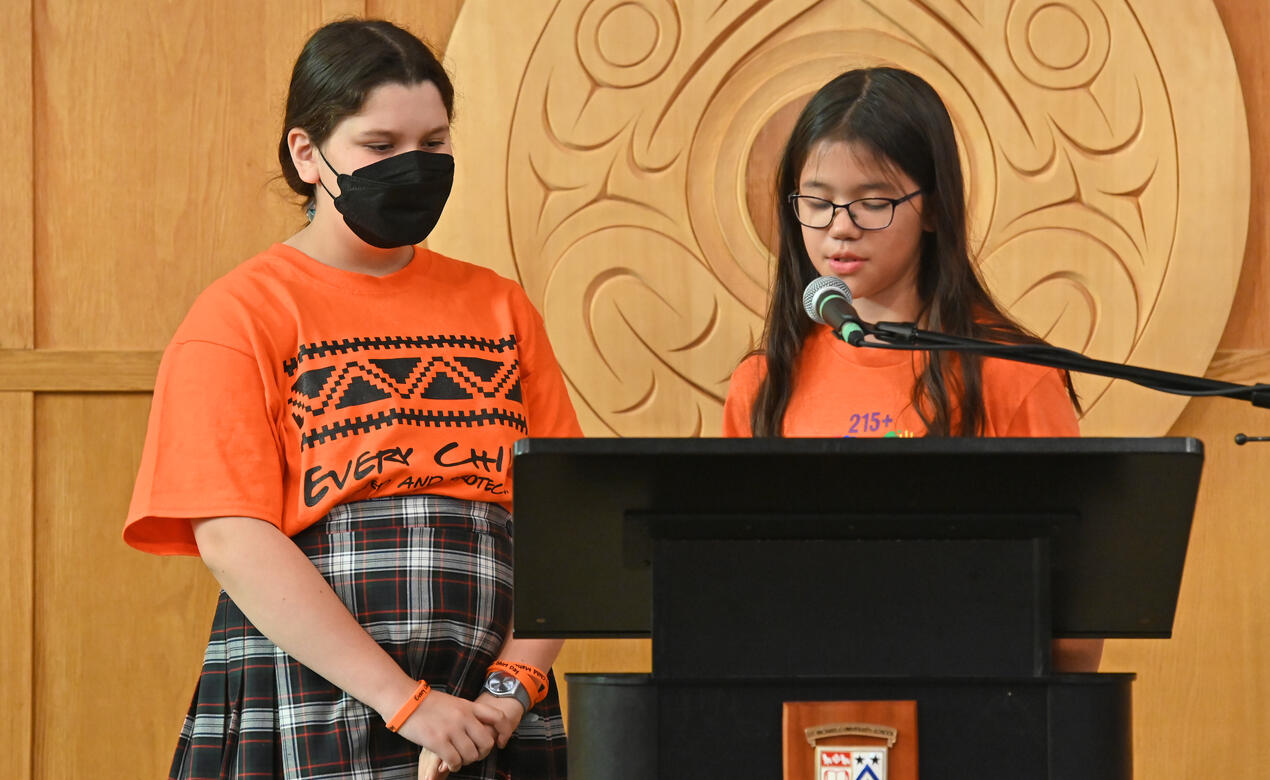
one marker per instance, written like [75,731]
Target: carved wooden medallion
[616,157]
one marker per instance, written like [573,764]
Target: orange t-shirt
[292,387]
[841,390]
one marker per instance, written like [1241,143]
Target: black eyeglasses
[866,213]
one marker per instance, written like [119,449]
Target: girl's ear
[304,154]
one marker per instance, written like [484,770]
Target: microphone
[827,300]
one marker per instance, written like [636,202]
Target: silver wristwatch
[503,685]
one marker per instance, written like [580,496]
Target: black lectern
[936,570]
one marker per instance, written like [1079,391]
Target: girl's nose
[842,226]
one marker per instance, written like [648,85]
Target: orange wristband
[410,706]
[534,679]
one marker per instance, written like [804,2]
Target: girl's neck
[904,307]
[337,247]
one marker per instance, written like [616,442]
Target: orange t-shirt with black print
[841,390]
[292,387]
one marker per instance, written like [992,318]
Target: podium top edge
[1161,445]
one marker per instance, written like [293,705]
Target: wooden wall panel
[430,21]
[1247,24]
[183,105]
[16,161]
[119,635]
[17,571]
[157,128]
[46,370]
[339,9]
[17,580]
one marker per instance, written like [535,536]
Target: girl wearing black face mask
[331,432]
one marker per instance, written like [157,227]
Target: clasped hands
[454,732]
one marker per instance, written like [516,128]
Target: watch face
[501,684]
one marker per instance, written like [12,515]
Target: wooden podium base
[1063,727]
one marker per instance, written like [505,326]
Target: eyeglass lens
[867,213]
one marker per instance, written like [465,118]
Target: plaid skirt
[430,578]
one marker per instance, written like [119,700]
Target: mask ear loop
[328,191]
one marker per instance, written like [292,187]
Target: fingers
[468,747]
[430,766]
[487,713]
[483,737]
[505,730]
[473,743]
[508,714]
[450,728]
[449,757]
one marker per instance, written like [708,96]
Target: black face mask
[397,201]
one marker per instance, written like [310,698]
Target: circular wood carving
[616,157]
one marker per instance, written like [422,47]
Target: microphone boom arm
[906,336]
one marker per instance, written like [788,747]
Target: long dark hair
[900,119]
[338,67]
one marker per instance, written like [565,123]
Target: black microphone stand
[906,336]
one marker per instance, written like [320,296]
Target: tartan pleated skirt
[430,578]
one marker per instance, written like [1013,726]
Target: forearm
[536,652]
[287,599]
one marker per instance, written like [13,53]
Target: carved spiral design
[1058,45]
[624,44]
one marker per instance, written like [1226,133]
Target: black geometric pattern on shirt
[421,417]
[309,384]
[439,378]
[397,368]
[359,392]
[325,348]
[485,369]
[443,388]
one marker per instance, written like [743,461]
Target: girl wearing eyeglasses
[873,194]
[331,432]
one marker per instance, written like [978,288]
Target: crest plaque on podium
[850,740]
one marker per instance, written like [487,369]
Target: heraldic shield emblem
[850,740]
[851,762]
[837,763]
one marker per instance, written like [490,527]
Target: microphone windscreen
[819,287]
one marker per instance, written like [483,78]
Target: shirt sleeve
[211,449]
[1045,410]
[545,395]
[742,389]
